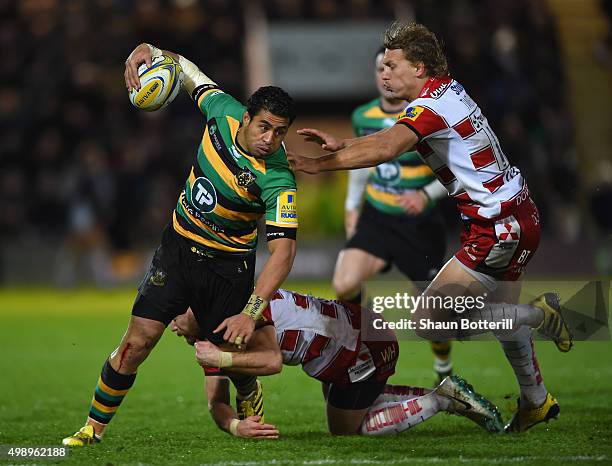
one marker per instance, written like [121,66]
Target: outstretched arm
[327,141]
[360,152]
[239,328]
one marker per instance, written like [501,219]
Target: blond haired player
[391,215]
[501,222]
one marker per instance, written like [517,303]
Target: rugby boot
[553,325]
[466,402]
[526,418]
[84,436]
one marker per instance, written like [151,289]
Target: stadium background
[87,184]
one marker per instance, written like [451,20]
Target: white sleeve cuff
[155,52]
[435,190]
[356,185]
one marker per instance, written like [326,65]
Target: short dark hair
[419,44]
[274,100]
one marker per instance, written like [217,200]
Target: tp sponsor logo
[203,195]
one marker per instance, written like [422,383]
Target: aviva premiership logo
[286,208]
[203,195]
[412,113]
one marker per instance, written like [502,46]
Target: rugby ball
[159,84]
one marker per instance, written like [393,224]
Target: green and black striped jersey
[389,180]
[228,190]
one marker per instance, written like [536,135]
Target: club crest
[245,178]
[158,277]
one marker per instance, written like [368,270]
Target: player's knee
[345,286]
[343,428]
[133,351]
[343,421]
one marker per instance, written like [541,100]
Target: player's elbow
[275,363]
[291,250]
[284,249]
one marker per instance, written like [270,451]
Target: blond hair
[419,44]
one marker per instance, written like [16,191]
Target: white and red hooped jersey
[456,141]
[325,338]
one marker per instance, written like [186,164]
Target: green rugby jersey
[390,179]
[228,190]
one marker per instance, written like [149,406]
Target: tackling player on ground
[398,223]
[501,222]
[326,339]
[206,260]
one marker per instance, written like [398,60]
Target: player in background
[501,222]
[325,338]
[206,260]
[398,223]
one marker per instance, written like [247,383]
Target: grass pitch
[54,344]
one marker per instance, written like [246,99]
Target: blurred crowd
[81,168]
[330,10]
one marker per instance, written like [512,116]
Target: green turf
[54,344]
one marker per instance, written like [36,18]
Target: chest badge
[158,277]
[245,178]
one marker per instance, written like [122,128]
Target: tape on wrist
[225,359]
[255,307]
[233,427]
[193,77]
[155,52]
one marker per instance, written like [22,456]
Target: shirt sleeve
[279,195]
[212,101]
[281,213]
[214,372]
[422,120]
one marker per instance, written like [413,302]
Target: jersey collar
[433,83]
[239,147]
